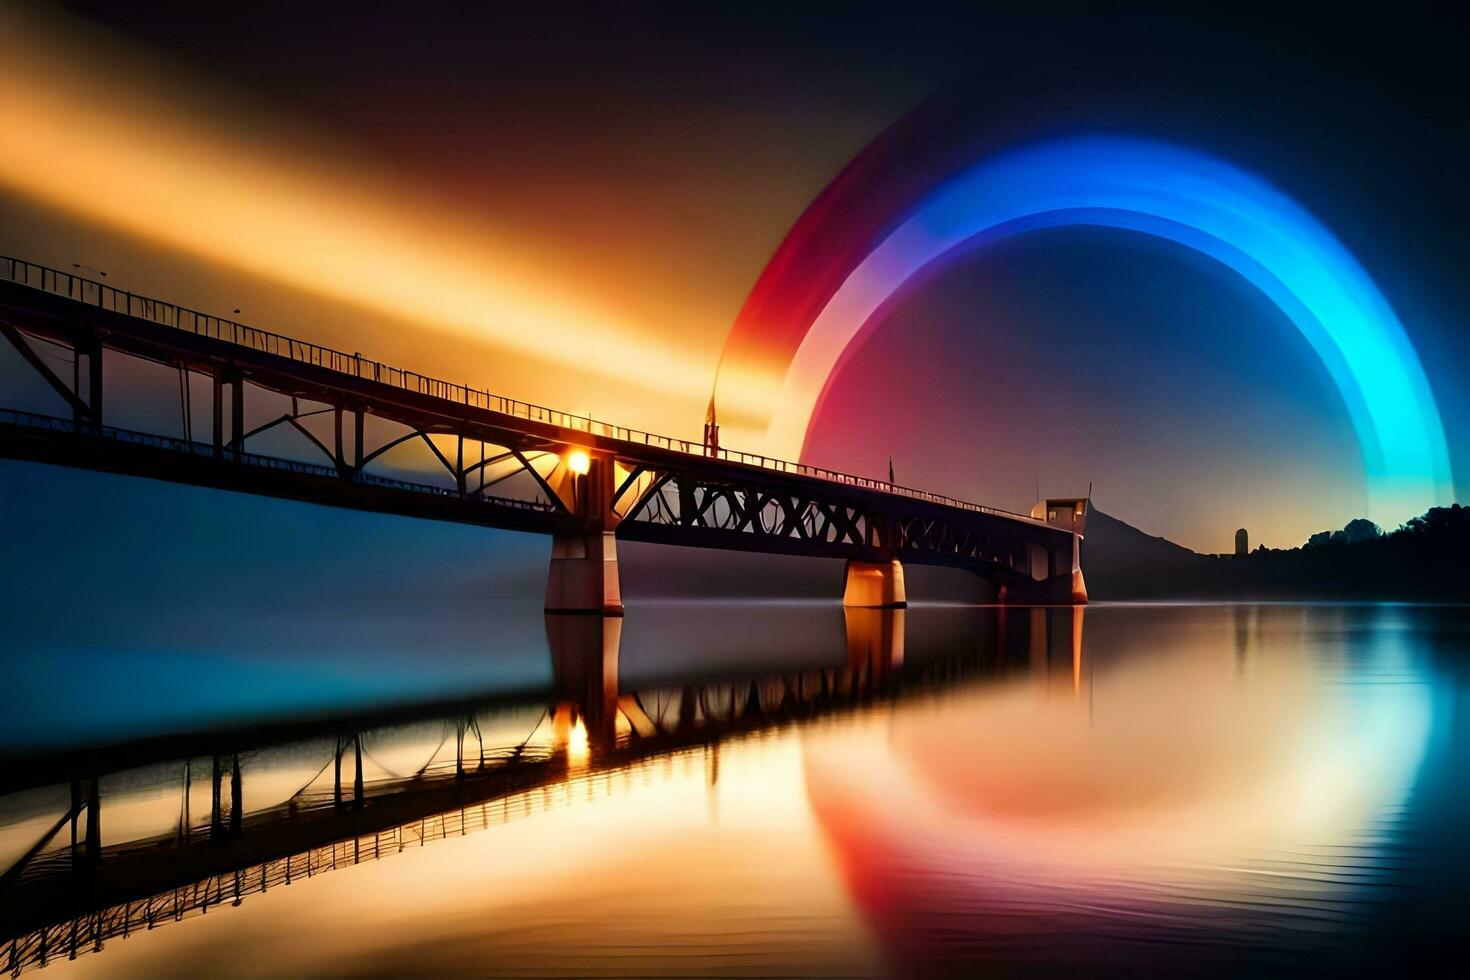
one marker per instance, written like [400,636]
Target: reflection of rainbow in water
[1188,803]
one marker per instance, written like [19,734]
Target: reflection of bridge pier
[874,643]
[590,702]
[584,665]
[337,795]
[84,817]
[222,821]
[86,803]
[1054,641]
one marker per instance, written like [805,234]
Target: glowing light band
[1194,200]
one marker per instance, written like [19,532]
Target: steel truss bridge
[262,413]
[473,766]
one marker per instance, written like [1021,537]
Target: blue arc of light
[1205,204]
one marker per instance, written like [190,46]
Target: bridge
[491,460]
[467,767]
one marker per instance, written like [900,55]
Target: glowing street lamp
[578,462]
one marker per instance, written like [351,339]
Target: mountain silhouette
[1423,560]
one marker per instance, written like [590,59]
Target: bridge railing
[167,314]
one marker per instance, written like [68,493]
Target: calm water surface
[745,789]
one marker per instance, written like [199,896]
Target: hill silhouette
[1423,560]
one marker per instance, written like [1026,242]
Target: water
[749,789]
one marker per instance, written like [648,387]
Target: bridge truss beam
[584,488]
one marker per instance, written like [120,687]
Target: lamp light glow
[579,746]
[578,462]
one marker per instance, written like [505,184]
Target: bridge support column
[584,575]
[876,585]
[584,564]
[1056,580]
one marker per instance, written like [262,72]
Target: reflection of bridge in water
[115,843]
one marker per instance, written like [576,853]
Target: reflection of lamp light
[578,747]
[578,461]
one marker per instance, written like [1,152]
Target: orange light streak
[88,129]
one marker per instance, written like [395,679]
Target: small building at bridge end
[1069,513]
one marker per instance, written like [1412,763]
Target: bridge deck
[139,317]
[629,483]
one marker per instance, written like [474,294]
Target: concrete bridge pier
[1057,590]
[583,577]
[1053,575]
[875,585]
